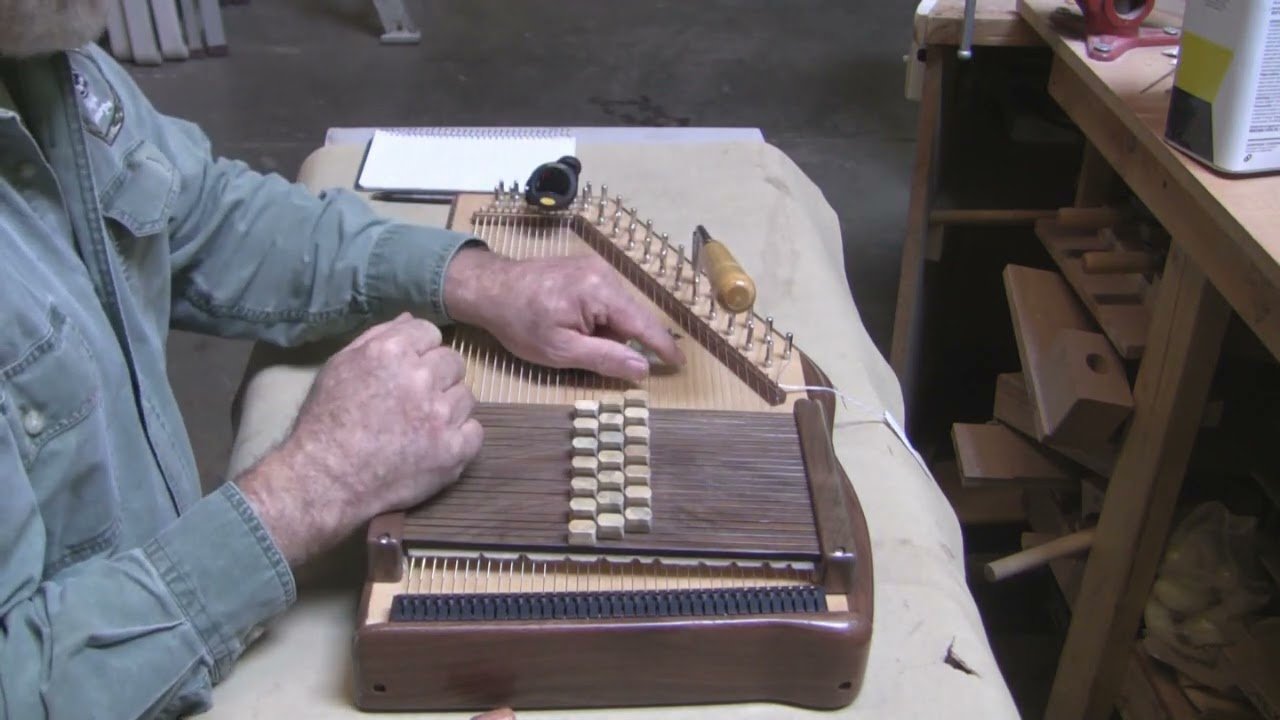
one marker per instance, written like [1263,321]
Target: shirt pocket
[141,190]
[50,398]
[137,200]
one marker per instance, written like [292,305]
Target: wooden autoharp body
[689,540]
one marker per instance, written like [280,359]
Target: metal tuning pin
[693,295]
[679,268]
[604,192]
[631,234]
[751,329]
[768,326]
[786,353]
[648,245]
[662,262]
[586,191]
[768,351]
[617,222]
[648,229]
[617,199]
[728,326]
[665,241]
[711,312]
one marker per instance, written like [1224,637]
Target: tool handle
[732,286]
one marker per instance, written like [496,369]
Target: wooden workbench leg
[1188,323]
[904,349]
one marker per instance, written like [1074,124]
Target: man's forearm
[474,283]
[292,490]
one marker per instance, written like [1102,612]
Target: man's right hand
[386,425]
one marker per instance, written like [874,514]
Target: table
[1225,258]
[928,650]
[1223,262]
[995,23]
[932,62]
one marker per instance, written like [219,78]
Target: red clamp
[1109,32]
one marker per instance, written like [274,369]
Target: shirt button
[26,171]
[33,422]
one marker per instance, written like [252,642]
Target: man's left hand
[562,312]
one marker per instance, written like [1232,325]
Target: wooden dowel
[1119,261]
[1034,557]
[1032,539]
[1090,218]
[989,217]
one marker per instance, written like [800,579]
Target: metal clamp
[397,25]
[966,39]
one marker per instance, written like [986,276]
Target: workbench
[1222,268]
[929,648]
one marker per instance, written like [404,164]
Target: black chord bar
[723,602]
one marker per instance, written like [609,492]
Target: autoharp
[688,540]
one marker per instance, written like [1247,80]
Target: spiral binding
[522,133]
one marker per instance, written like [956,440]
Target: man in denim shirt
[123,592]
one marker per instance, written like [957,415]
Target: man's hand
[562,312]
[386,425]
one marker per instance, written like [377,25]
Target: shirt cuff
[407,268]
[225,571]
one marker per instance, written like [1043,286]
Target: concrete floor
[822,79]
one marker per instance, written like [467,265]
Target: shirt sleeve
[258,257]
[255,256]
[146,633]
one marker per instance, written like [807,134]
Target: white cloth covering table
[786,235]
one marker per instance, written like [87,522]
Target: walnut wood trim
[835,527]
[814,661]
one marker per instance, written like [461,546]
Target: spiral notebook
[458,159]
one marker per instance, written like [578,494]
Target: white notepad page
[459,159]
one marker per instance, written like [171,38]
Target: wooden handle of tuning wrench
[1034,557]
[732,286]
[1118,261]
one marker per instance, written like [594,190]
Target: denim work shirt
[125,593]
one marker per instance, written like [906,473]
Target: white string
[881,416]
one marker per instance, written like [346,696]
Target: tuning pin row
[504,197]
[653,252]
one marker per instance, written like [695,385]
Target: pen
[412,197]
